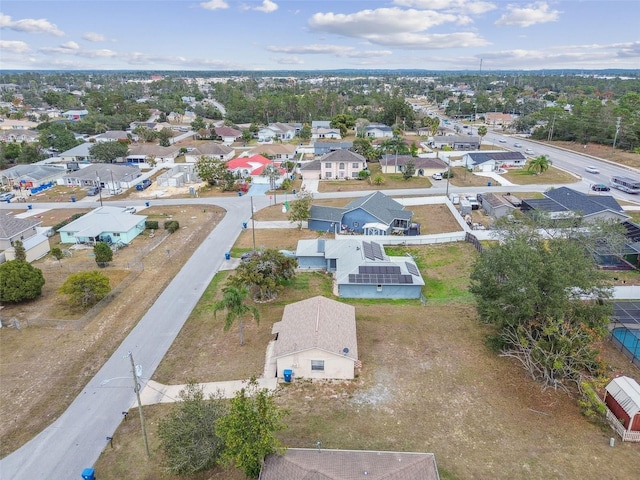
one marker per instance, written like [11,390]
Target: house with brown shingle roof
[209,149]
[320,464]
[316,339]
[275,151]
[228,134]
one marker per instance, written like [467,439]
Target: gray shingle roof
[328,214]
[317,464]
[35,172]
[11,226]
[342,156]
[380,206]
[479,158]
[317,322]
[419,162]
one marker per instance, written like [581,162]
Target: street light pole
[136,388]
[99,189]
[113,184]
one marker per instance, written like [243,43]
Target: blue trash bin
[488,184]
[294,191]
[29,207]
[287,375]
[239,194]
[227,256]
[73,199]
[146,204]
[244,225]
[88,474]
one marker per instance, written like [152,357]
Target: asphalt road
[76,439]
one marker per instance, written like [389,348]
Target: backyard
[428,383]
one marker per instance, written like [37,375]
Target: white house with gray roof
[31,175]
[26,230]
[316,339]
[361,269]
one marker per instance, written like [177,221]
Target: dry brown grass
[43,369]
[622,157]
[428,383]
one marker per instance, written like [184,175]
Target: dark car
[93,191]
[600,187]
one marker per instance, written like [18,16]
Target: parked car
[528,151]
[437,176]
[6,196]
[146,183]
[93,191]
[600,187]
[502,140]
[591,170]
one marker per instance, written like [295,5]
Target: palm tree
[482,131]
[233,302]
[539,164]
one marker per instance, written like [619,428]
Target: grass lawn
[428,383]
[553,175]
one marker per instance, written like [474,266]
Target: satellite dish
[345,350]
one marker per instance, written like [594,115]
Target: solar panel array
[380,269]
[373,251]
[627,313]
[368,251]
[380,278]
[412,269]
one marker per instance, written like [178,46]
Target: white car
[437,176]
[517,145]
[502,140]
[591,170]
[528,151]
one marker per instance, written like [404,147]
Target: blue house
[104,224]
[322,148]
[375,214]
[362,269]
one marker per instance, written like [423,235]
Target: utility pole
[553,122]
[136,388]
[615,138]
[253,226]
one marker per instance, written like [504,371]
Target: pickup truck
[146,183]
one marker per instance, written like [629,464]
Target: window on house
[355,165]
[354,174]
[379,288]
[327,165]
[317,365]
[328,175]
[355,224]
[341,167]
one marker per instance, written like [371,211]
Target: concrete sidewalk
[153,392]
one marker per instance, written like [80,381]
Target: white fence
[620,430]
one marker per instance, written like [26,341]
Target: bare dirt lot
[43,367]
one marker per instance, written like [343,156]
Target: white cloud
[288,61]
[531,14]
[335,50]
[94,37]
[629,50]
[30,25]
[429,41]
[463,6]
[70,46]
[14,46]
[267,6]
[214,5]
[382,21]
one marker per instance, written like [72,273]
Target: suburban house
[361,269]
[563,202]
[378,131]
[79,153]
[374,214]
[139,153]
[497,119]
[113,136]
[103,224]
[254,167]
[339,165]
[209,149]
[278,131]
[316,339]
[321,464]
[28,231]
[493,161]
[276,151]
[457,142]
[622,397]
[12,124]
[75,114]
[228,134]
[425,167]
[322,148]
[31,175]
[322,133]
[104,175]
[496,205]
[19,136]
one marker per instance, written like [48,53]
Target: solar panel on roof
[377,251]
[368,252]
[412,269]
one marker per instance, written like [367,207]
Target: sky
[219,35]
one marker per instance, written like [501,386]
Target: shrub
[56,253]
[171,226]
[151,224]
[85,289]
[20,281]
[103,253]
